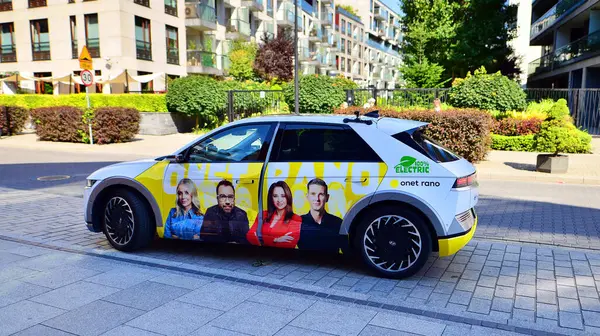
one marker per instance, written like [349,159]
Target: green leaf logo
[407,161]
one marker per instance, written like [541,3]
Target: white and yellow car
[373,186]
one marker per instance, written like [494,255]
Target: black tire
[126,221]
[388,238]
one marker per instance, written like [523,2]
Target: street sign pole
[87,98]
[85,63]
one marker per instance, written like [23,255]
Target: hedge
[115,124]
[514,126]
[521,143]
[60,123]
[465,132]
[141,102]
[17,115]
[66,124]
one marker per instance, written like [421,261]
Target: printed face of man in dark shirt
[226,198]
[317,197]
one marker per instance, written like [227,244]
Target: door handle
[356,180]
[245,181]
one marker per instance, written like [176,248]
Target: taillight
[465,181]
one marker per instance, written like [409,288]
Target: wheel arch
[363,206]
[100,192]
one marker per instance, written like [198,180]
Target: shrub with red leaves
[17,117]
[513,126]
[115,124]
[59,123]
[465,132]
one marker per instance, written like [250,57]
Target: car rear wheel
[394,242]
[127,221]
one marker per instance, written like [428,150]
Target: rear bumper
[451,245]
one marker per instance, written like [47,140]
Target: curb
[580,180]
[360,299]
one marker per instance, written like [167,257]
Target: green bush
[142,102]
[199,96]
[344,83]
[17,116]
[523,143]
[557,136]
[465,132]
[318,94]
[559,111]
[487,92]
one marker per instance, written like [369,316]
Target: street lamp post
[297,107]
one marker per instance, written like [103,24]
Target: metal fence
[248,103]
[396,97]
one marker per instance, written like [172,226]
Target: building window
[37,3]
[143,39]
[92,35]
[40,40]
[349,65]
[343,45]
[171,7]
[43,87]
[349,32]
[142,2]
[172,45]
[343,61]
[74,50]
[148,86]
[5,5]
[343,26]
[7,42]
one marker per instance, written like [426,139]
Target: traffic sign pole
[85,63]
[87,98]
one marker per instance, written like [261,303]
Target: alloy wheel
[119,221]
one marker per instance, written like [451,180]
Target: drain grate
[54,178]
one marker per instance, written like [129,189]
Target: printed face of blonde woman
[184,197]
[279,199]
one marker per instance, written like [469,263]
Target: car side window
[238,144]
[316,143]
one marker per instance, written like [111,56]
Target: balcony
[306,55]
[381,13]
[237,28]
[327,18]
[8,53]
[204,62]
[315,34]
[254,5]
[562,8]
[285,16]
[6,6]
[328,60]
[326,2]
[93,45]
[143,50]
[37,3]
[173,56]
[41,51]
[200,16]
[170,10]
[585,47]
[145,3]
[309,70]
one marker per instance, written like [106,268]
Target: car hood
[129,169]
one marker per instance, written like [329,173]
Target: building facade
[43,38]
[568,33]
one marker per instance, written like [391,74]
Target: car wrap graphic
[303,204]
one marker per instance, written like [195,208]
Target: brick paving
[512,286]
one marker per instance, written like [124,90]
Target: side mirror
[178,158]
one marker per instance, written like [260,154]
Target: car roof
[387,125]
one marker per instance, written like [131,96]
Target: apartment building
[43,38]
[371,54]
[568,33]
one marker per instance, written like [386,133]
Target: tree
[274,58]
[422,75]
[458,35]
[242,56]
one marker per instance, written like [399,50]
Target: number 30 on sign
[87,78]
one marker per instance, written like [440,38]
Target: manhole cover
[53,178]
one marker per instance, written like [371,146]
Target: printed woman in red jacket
[281,226]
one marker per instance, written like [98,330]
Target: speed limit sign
[87,78]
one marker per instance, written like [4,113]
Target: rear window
[426,146]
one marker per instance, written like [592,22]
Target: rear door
[319,171]
[219,182]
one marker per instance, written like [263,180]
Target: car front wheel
[126,221]
[394,242]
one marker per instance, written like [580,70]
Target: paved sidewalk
[511,286]
[49,292]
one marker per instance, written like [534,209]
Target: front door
[214,195]
[314,175]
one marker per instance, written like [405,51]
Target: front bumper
[451,245]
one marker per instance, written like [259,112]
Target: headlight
[89,183]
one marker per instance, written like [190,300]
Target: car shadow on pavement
[521,166]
